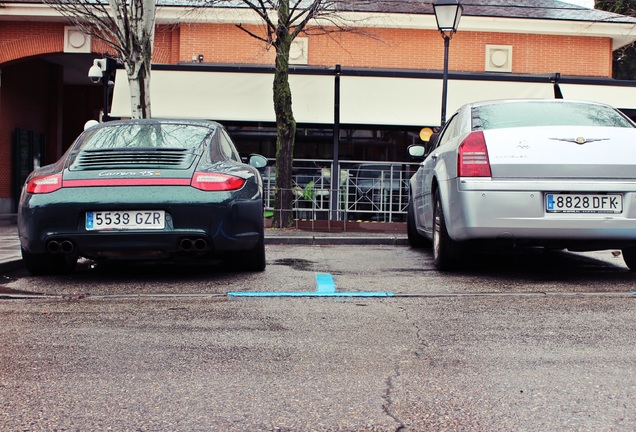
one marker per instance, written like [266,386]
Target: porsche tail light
[44,184]
[472,159]
[216,182]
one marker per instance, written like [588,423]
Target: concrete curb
[337,240]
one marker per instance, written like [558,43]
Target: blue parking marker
[325,283]
[325,287]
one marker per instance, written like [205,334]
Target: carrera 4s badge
[130,174]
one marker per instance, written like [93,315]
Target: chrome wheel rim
[436,231]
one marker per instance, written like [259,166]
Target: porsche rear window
[146,135]
[522,114]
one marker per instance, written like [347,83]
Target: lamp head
[448,13]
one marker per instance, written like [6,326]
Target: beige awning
[364,100]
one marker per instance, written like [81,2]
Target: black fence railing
[367,191]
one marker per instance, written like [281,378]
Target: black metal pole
[105,89]
[335,170]
[445,78]
[557,89]
[105,79]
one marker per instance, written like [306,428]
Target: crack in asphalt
[390,381]
[389,400]
[418,332]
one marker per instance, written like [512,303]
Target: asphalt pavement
[11,258]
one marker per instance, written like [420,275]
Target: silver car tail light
[472,160]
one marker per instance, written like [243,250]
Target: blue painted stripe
[325,287]
[308,294]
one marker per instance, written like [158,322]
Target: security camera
[96,72]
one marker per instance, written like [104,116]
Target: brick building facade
[45,96]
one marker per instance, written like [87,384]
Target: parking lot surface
[530,341]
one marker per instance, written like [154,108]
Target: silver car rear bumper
[515,209]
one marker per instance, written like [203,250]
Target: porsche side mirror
[257,161]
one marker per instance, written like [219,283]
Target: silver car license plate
[120,220]
[584,203]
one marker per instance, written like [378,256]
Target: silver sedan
[526,173]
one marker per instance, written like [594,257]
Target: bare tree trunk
[302,17]
[285,123]
[139,84]
[140,23]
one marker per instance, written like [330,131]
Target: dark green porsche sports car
[144,190]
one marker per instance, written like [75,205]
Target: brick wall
[19,40]
[224,43]
[24,39]
[402,48]
[380,48]
[166,45]
[542,54]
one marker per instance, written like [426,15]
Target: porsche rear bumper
[196,222]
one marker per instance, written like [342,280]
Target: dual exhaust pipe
[193,244]
[65,247]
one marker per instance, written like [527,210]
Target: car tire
[46,264]
[416,240]
[252,260]
[629,256]
[447,253]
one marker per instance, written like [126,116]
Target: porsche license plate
[584,203]
[120,220]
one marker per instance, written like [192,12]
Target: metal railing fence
[368,191]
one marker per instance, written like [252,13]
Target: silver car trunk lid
[562,152]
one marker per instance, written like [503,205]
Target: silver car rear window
[146,135]
[522,114]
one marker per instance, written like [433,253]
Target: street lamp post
[447,13]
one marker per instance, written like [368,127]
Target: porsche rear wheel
[447,253]
[46,264]
[256,257]
[252,260]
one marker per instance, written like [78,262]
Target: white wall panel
[228,96]
[618,96]
[390,101]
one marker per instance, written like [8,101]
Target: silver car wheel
[436,230]
[447,253]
